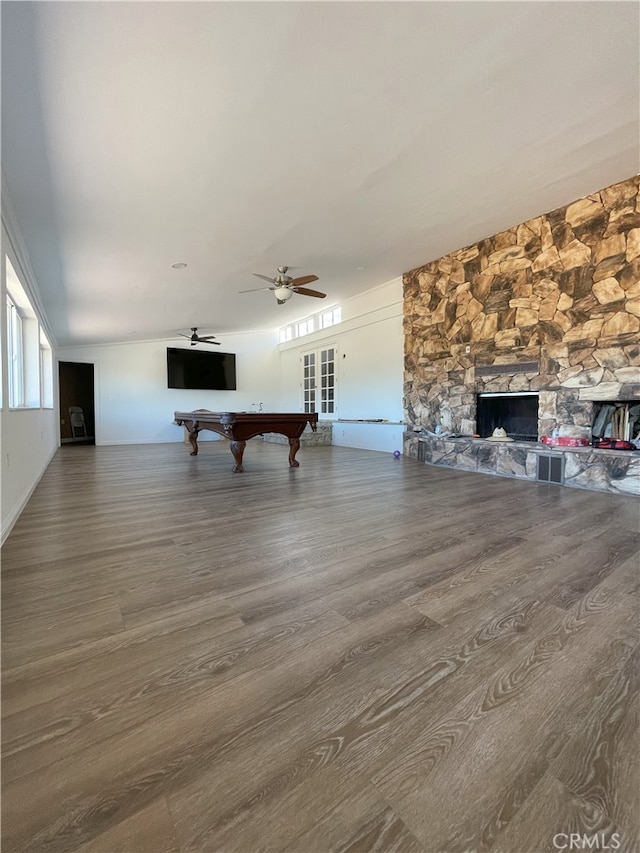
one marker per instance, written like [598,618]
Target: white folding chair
[78,426]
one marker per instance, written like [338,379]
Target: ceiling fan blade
[305,291]
[304,279]
[256,289]
[206,337]
[265,277]
[205,341]
[188,337]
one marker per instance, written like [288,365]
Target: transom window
[312,324]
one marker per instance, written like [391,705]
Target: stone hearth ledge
[614,471]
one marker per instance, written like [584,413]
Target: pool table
[239,427]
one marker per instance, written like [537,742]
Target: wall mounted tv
[200,370]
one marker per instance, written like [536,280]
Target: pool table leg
[294,446]
[237,448]
[193,440]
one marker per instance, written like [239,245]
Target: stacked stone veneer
[562,289]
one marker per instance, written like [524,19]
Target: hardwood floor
[362,654]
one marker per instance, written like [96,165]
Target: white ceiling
[334,136]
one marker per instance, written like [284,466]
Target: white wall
[370,356]
[29,436]
[385,437]
[133,404]
[29,440]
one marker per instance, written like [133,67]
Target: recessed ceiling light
[360,268]
[179,266]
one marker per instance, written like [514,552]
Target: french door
[319,381]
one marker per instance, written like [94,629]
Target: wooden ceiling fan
[195,338]
[284,286]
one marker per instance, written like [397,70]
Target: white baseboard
[8,523]
[120,442]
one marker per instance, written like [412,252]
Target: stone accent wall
[562,289]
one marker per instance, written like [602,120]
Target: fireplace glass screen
[516,413]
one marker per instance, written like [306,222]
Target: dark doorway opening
[516,413]
[77,407]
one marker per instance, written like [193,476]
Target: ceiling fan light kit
[283,293]
[283,286]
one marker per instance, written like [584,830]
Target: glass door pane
[309,381]
[327,381]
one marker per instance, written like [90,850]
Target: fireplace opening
[517,413]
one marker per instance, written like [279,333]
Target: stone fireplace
[550,307]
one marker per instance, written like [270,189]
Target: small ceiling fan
[195,338]
[284,286]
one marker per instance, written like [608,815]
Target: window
[330,318]
[24,361]
[311,324]
[46,372]
[304,328]
[319,381]
[14,354]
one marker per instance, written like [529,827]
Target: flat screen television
[201,370]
